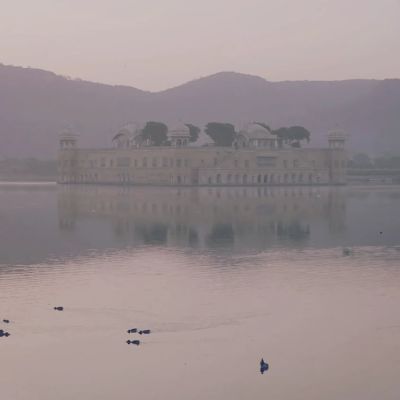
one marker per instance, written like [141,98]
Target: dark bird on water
[263,366]
[133,330]
[347,251]
[6,321]
[59,308]
[2,333]
[137,342]
[145,332]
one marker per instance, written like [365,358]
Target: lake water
[222,277]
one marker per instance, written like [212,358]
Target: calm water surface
[223,277]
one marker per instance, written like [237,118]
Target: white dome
[203,140]
[180,130]
[129,130]
[257,131]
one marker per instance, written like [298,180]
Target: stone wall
[202,166]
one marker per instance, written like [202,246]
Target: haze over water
[222,277]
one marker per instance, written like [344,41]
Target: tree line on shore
[364,161]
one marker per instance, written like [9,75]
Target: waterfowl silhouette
[133,330]
[263,366]
[6,321]
[347,251]
[2,333]
[59,308]
[137,342]
[145,332]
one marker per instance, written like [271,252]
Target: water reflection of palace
[254,217]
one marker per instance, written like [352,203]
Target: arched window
[265,178]
[209,180]
[178,180]
[218,179]
[285,178]
[259,179]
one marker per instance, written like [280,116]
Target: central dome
[257,131]
[180,130]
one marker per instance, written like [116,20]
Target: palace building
[256,157]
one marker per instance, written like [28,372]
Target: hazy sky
[155,44]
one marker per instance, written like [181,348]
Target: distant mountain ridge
[35,105]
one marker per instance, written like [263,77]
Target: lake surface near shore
[221,276]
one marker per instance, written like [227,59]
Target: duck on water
[263,366]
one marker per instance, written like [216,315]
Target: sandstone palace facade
[256,158]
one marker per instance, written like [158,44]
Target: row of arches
[262,179]
[215,179]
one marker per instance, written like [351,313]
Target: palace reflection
[234,217]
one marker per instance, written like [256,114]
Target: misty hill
[36,105]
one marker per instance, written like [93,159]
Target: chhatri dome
[179,135]
[337,139]
[203,140]
[255,135]
[127,136]
[257,131]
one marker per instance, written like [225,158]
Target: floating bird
[6,321]
[145,332]
[137,342]
[263,366]
[59,308]
[2,333]
[347,251]
[133,330]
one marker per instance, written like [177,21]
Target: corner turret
[337,139]
[68,140]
